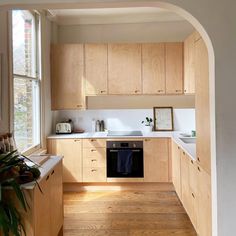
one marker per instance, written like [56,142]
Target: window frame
[38,77]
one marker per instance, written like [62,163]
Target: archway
[186,15]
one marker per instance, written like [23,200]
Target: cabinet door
[174,68]
[95,69]
[202,106]
[204,203]
[176,177]
[186,196]
[56,199]
[42,216]
[124,68]
[153,68]
[71,149]
[189,71]
[67,71]
[193,185]
[156,160]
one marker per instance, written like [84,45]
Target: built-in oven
[125,159]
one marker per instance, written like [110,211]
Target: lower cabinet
[71,150]
[94,164]
[156,160]
[193,186]
[45,213]
[176,167]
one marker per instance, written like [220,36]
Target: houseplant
[148,124]
[13,172]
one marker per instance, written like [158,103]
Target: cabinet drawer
[96,174]
[91,143]
[94,157]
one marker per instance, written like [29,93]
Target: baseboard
[83,187]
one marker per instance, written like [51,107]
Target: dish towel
[124,161]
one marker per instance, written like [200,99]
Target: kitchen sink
[188,140]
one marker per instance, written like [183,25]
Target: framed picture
[163,118]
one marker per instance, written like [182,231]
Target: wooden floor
[122,213]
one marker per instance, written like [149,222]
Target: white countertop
[189,148]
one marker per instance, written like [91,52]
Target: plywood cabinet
[124,69]
[204,203]
[202,105]
[186,196]
[153,68]
[67,72]
[94,160]
[96,69]
[176,168]
[71,150]
[156,160]
[174,68]
[189,65]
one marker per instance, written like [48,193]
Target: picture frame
[163,118]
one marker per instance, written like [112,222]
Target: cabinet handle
[93,170]
[160,90]
[147,140]
[185,90]
[178,90]
[178,147]
[193,195]
[93,150]
[192,161]
[199,168]
[183,153]
[93,140]
[136,91]
[53,172]
[198,159]
[93,160]
[102,91]
[76,140]
[79,105]
[47,178]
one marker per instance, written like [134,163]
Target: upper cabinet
[189,68]
[124,69]
[95,69]
[174,68]
[67,72]
[202,105]
[153,68]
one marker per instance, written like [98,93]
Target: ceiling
[113,16]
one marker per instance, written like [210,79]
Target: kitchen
[121,82]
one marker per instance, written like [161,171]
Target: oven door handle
[134,150]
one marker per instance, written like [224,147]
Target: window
[26,76]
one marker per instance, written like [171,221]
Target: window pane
[26,113]
[24,37]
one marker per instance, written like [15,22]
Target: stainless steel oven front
[125,159]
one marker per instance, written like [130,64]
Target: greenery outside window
[26,76]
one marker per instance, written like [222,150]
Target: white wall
[217,17]
[125,119]
[136,32]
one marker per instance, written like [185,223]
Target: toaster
[64,128]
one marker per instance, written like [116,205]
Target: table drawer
[96,174]
[91,143]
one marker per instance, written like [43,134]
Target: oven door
[136,168]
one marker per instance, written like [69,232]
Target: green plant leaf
[20,194]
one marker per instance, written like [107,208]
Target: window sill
[35,151]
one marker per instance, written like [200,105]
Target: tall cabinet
[202,105]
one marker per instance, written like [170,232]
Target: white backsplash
[124,119]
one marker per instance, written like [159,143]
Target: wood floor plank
[121,213]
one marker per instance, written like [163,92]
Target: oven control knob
[113,145]
[134,145]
